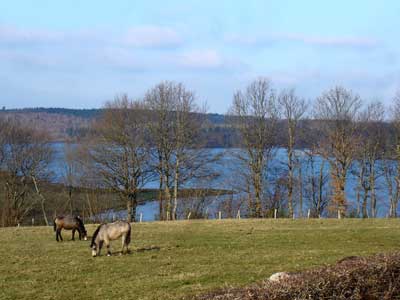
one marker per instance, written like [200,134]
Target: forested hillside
[66,124]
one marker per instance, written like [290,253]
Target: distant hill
[83,113]
[74,124]
[66,124]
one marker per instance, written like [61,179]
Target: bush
[370,278]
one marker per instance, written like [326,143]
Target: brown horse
[69,223]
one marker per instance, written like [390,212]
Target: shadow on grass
[150,248]
[143,249]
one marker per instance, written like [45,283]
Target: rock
[276,277]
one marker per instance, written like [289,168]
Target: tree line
[161,138]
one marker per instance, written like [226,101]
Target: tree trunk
[134,206]
[257,191]
[290,173]
[320,188]
[129,209]
[160,196]
[364,204]
[42,200]
[176,181]
[71,207]
[372,190]
[89,205]
[167,193]
[300,193]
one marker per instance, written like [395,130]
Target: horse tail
[95,235]
[128,235]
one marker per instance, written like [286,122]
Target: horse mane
[80,222]
[95,235]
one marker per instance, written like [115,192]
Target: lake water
[231,177]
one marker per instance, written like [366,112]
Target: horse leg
[108,245]
[99,247]
[73,234]
[80,235]
[123,243]
[58,235]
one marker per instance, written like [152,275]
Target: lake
[231,177]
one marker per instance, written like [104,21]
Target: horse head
[81,228]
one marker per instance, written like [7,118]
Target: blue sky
[79,54]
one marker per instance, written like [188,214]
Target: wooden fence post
[275,213]
[238,214]
[309,213]
[219,215]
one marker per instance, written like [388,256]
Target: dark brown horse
[69,223]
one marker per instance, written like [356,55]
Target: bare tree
[176,137]
[337,110]
[392,161]
[188,122]
[316,181]
[370,151]
[293,109]
[71,170]
[120,152]
[25,156]
[160,100]
[254,113]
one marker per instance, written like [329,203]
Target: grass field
[193,256]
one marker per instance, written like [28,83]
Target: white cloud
[152,36]
[136,37]
[201,59]
[328,41]
[9,34]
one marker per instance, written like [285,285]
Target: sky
[80,54]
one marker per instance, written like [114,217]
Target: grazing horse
[69,223]
[108,232]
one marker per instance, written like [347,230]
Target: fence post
[141,217]
[219,215]
[238,214]
[308,214]
[338,214]
[33,221]
[275,212]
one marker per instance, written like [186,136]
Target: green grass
[194,256]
